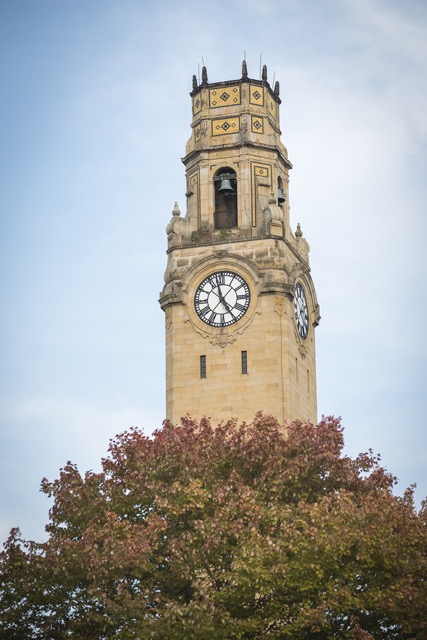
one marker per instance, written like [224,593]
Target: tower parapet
[235,112]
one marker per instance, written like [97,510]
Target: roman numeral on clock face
[205,311]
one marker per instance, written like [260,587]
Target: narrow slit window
[203,366]
[244,361]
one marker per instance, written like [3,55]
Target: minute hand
[223,301]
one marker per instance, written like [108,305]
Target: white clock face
[222,299]
[301,311]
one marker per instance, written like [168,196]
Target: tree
[222,533]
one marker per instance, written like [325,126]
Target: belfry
[239,301]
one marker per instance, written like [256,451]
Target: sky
[95,113]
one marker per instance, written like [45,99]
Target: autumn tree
[233,532]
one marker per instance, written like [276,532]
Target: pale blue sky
[94,117]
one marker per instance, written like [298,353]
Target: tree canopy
[227,532]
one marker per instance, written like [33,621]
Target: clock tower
[239,301]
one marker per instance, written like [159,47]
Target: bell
[225,186]
[280,197]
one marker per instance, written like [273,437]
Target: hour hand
[225,304]
[222,299]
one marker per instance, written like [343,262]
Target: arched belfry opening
[280,192]
[225,184]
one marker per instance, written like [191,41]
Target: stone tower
[239,302]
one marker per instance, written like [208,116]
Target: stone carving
[279,305]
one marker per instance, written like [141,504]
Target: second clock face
[301,311]
[222,299]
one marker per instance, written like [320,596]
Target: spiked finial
[194,82]
[244,70]
[277,88]
[204,75]
[264,73]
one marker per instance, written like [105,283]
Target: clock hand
[226,305]
[222,299]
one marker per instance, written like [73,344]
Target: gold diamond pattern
[222,126]
[256,95]
[257,124]
[197,104]
[224,97]
[272,107]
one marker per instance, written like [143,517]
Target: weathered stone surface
[236,126]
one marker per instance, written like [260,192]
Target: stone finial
[204,75]
[244,70]
[298,232]
[264,73]
[194,82]
[277,88]
[175,210]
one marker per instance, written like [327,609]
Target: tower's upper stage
[235,113]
